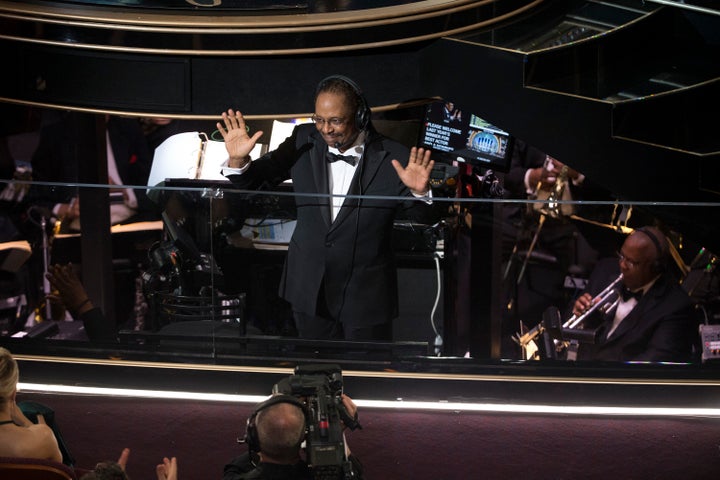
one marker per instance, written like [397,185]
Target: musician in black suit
[653,319]
[535,279]
[339,274]
[56,159]
[535,175]
[66,147]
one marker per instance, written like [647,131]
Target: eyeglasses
[334,122]
[630,263]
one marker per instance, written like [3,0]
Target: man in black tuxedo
[66,149]
[535,280]
[339,274]
[653,319]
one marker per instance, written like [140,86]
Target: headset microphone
[345,144]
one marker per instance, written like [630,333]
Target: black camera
[319,387]
[178,266]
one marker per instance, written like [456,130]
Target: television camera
[319,387]
[178,266]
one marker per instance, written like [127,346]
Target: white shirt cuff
[234,171]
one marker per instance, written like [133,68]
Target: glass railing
[490,281]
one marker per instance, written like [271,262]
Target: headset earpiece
[362,114]
[659,265]
[251,436]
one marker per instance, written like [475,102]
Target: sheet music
[216,157]
[179,156]
[282,130]
[176,157]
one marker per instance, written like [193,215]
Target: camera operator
[275,434]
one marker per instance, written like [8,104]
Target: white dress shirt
[624,307]
[340,174]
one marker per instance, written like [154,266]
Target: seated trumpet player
[649,317]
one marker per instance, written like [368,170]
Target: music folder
[191,155]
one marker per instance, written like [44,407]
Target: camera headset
[660,263]
[362,112]
[251,434]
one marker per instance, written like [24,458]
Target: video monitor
[456,135]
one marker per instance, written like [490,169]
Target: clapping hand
[70,290]
[167,470]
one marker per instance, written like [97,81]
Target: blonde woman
[19,437]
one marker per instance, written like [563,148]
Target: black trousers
[322,326]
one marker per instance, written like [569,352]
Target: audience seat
[34,469]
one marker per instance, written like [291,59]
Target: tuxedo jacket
[525,157]
[661,327]
[351,258]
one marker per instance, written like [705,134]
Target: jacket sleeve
[274,167]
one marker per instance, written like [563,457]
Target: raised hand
[417,173]
[238,142]
[123,460]
[167,470]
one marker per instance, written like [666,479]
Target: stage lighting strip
[589,410]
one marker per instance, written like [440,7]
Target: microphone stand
[551,208]
[541,221]
[46,267]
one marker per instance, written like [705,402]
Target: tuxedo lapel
[642,312]
[349,204]
[627,323]
[606,324]
[320,176]
[373,159]
[364,173]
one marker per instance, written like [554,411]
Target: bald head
[643,254]
[656,238]
[281,430]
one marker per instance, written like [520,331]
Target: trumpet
[600,302]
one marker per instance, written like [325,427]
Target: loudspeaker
[251,435]
[362,114]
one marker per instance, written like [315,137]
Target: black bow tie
[334,157]
[627,294]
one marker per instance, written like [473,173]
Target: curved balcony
[175,63]
[563,75]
